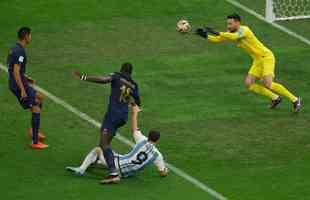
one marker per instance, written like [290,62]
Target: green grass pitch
[193,92]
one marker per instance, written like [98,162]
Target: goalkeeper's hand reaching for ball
[203,32]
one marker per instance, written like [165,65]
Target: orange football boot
[39,145]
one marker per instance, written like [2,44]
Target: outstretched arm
[94,79]
[206,33]
[216,39]
[233,36]
[137,134]
[134,118]
[136,96]
[161,166]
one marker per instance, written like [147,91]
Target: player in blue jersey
[123,91]
[20,85]
[142,154]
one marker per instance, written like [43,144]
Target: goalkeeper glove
[212,31]
[201,32]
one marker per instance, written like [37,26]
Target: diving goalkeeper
[263,60]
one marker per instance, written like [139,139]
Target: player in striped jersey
[142,154]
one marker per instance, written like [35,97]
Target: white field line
[96,124]
[176,170]
[261,17]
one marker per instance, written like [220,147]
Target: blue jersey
[122,90]
[17,55]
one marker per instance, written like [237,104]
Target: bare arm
[17,77]
[98,79]
[134,118]
[161,166]
[94,79]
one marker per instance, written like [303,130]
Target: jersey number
[125,94]
[141,157]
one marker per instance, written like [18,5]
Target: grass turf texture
[192,91]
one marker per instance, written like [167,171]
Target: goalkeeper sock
[263,91]
[280,89]
[90,159]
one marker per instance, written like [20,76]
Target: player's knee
[39,103]
[35,109]
[267,80]
[248,83]
[249,80]
[40,97]
[268,84]
[98,151]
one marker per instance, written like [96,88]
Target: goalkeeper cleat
[275,103]
[78,171]
[297,105]
[111,179]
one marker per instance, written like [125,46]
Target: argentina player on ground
[123,90]
[142,154]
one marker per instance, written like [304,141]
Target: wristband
[83,77]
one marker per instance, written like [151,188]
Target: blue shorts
[29,101]
[111,125]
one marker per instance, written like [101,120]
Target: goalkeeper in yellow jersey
[263,60]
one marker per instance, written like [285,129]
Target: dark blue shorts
[111,125]
[29,101]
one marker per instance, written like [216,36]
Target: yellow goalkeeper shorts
[263,66]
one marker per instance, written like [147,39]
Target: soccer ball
[183,26]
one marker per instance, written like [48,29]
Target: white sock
[90,158]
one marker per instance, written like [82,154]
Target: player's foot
[42,137]
[39,145]
[297,105]
[111,179]
[76,170]
[275,103]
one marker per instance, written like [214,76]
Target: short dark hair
[22,32]
[126,68]
[154,136]
[234,16]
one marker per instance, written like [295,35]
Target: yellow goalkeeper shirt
[245,39]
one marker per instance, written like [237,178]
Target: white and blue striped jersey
[143,154]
